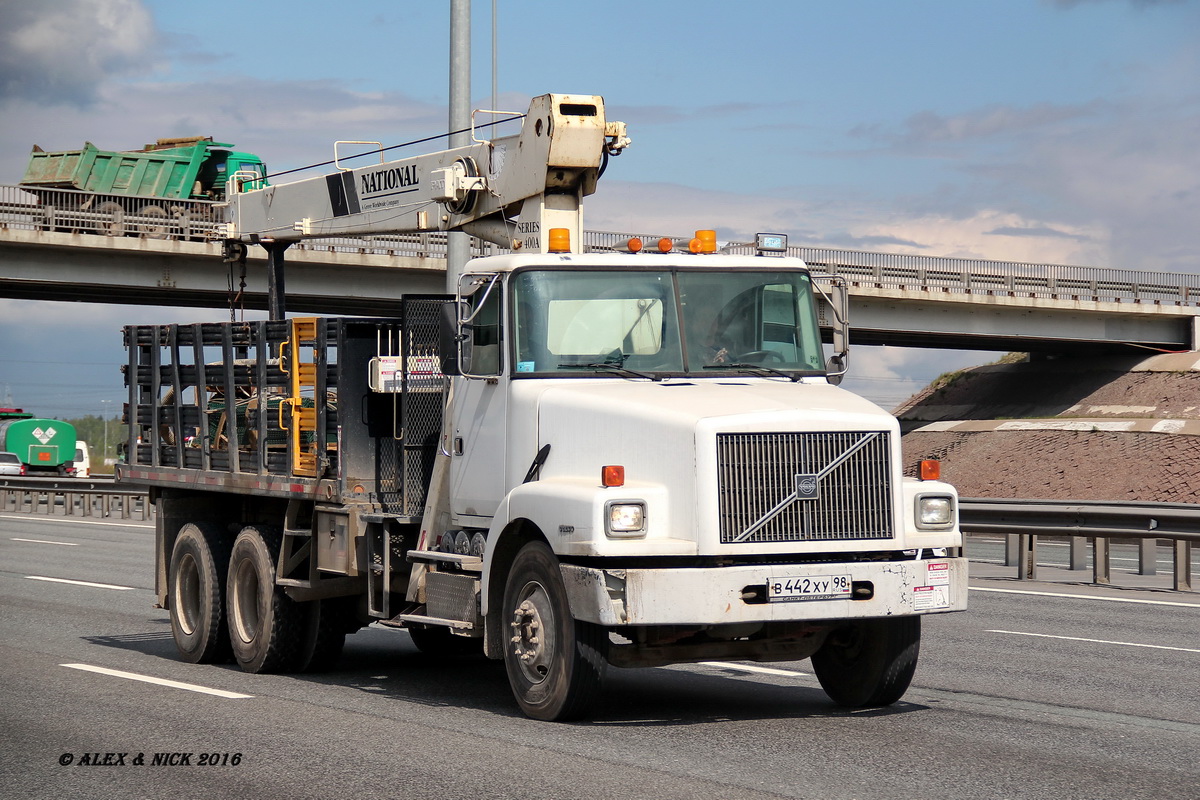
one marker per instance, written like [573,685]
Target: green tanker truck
[45,446]
[141,192]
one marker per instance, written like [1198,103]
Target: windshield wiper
[611,367]
[791,376]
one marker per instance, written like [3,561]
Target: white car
[10,464]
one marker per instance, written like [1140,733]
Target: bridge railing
[73,211]
[198,220]
[982,276]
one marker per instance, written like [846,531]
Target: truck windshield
[669,322]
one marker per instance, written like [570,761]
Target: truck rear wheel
[265,625]
[199,561]
[114,223]
[154,222]
[555,664]
[870,662]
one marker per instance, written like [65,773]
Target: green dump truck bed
[194,168]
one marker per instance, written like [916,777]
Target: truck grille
[800,487]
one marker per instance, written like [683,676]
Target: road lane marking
[44,518]
[81,583]
[1097,641]
[1087,597]
[133,676]
[44,541]
[751,668]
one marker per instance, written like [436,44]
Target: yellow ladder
[302,375]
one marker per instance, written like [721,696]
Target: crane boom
[539,176]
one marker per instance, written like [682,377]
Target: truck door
[480,406]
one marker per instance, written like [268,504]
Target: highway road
[1039,691]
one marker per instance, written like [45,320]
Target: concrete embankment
[1065,429]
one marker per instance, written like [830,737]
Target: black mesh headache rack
[338,409]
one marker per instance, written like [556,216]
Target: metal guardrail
[1022,521]
[154,217]
[71,497]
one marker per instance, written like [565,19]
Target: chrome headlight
[624,519]
[935,511]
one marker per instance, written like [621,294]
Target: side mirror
[834,311]
[835,368]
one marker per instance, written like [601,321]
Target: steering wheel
[757,356]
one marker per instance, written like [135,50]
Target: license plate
[811,587]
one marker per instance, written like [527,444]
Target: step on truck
[573,461]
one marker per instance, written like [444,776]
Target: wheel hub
[532,641]
[187,595]
[244,603]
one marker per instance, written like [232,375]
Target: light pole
[104,413]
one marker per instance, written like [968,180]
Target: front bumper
[714,595]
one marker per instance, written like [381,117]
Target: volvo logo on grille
[806,487]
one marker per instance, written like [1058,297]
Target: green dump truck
[144,192]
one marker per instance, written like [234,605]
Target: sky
[1054,131]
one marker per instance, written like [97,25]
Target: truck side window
[483,345]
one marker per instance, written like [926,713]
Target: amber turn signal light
[612,475]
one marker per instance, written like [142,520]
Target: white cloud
[674,210]
[290,123]
[61,51]
[995,235]
[890,375]
[1114,181]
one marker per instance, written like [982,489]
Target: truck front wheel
[869,662]
[199,560]
[265,625]
[555,664]
[325,633]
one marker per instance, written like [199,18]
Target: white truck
[575,460]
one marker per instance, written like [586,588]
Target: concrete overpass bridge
[71,247]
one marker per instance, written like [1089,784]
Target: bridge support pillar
[276,304]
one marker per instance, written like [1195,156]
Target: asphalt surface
[1042,689]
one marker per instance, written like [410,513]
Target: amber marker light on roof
[665,245]
[931,469]
[560,240]
[612,475]
[707,240]
[633,245]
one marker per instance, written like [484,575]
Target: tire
[441,643]
[266,627]
[154,224]
[555,664]
[870,662]
[325,633]
[115,224]
[195,594]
